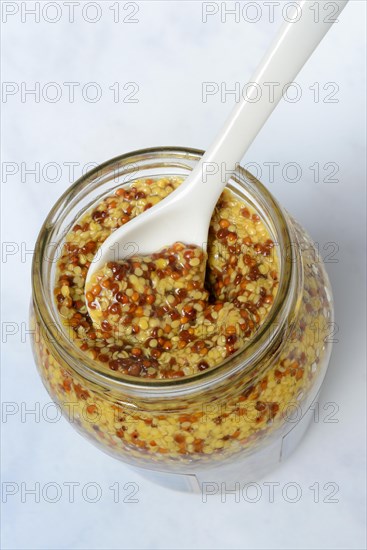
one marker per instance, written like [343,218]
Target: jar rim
[247,357]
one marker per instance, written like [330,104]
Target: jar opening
[102,181]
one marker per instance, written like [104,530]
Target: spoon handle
[290,50]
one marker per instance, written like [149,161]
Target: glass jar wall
[233,422]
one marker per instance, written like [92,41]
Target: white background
[169,53]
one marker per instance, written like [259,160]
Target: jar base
[234,476]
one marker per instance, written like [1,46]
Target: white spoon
[185,214]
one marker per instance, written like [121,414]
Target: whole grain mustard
[159,317]
[175,312]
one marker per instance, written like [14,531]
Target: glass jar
[232,423]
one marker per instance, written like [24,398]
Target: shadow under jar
[231,423]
